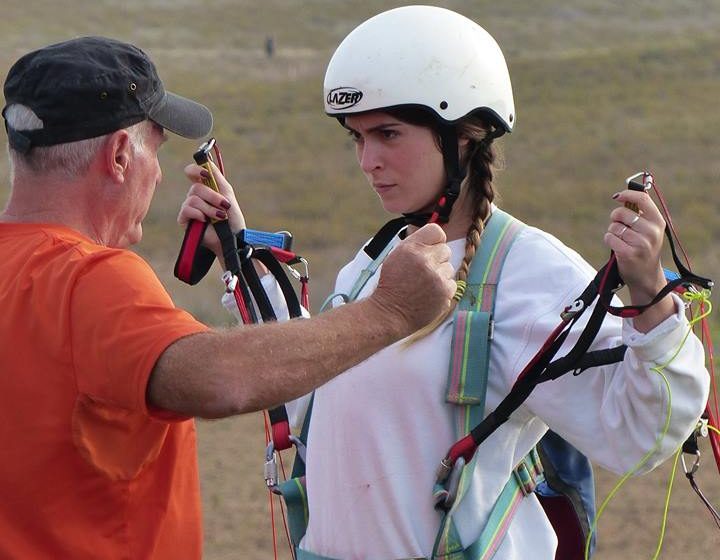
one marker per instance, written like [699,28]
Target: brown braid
[478,187]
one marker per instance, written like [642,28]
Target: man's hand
[416,282]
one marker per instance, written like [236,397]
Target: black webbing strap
[453,171]
[578,359]
[384,235]
[265,256]
[255,286]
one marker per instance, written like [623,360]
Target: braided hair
[479,160]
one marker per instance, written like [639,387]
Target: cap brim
[182,116]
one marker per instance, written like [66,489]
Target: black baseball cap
[90,86]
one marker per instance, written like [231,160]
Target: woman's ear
[117,155]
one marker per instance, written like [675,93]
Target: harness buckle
[527,473]
[571,310]
[230,281]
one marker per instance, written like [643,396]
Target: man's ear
[117,155]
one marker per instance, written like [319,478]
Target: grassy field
[603,89]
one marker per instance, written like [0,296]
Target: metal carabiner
[297,275]
[270,468]
[695,466]
[647,181]
[449,477]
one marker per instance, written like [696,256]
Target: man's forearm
[250,368]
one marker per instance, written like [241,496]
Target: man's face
[144,174]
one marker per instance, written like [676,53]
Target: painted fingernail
[615,195]
[220,214]
[205,173]
[225,204]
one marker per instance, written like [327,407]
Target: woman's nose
[369,157]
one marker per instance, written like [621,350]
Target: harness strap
[294,490]
[194,260]
[377,249]
[523,481]
[467,387]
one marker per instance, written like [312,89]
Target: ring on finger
[622,231]
[634,221]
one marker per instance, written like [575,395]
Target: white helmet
[423,56]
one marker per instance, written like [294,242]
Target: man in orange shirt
[101,373]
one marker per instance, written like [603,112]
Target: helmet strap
[455,175]
[454,172]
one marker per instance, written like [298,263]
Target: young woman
[424,92]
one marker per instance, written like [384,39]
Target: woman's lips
[381,188]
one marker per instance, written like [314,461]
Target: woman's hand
[204,204]
[637,240]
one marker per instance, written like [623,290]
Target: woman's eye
[354,136]
[389,133]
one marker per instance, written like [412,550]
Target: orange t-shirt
[86,470]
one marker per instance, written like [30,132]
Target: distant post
[269,46]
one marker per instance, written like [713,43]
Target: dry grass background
[603,89]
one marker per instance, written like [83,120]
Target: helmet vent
[443,104]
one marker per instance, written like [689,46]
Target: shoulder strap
[473,324]
[467,387]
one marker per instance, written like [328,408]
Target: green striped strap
[467,385]
[525,477]
[294,493]
[472,327]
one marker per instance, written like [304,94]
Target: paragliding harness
[559,475]
[242,280]
[566,480]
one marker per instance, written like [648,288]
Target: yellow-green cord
[702,296]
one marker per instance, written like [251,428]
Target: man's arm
[222,373]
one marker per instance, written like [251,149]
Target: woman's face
[401,161]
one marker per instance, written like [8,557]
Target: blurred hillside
[603,89]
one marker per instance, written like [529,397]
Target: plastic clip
[230,281]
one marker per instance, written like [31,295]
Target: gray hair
[71,159]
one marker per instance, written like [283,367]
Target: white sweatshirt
[379,431]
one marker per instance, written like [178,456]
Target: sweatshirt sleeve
[616,414]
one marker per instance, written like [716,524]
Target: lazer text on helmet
[344,97]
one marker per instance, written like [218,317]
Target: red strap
[283,255]
[304,293]
[191,242]
[244,313]
[464,447]
[281,435]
